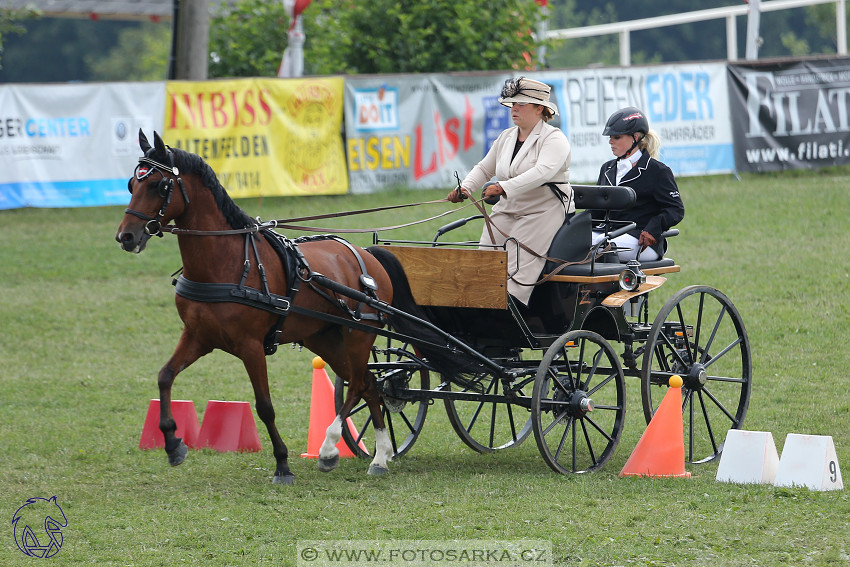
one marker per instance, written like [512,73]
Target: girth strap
[228,292]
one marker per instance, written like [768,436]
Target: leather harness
[297,270]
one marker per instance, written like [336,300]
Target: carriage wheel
[578,405]
[700,336]
[404,420]
[489,426]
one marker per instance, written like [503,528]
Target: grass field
[86,327]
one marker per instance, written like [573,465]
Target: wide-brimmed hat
[527,91]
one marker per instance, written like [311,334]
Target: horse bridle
[153,225]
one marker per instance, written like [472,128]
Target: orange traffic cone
[661,449]
[322,413]
[184,415]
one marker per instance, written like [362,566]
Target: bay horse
[294,300]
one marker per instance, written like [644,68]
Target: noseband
[147,166]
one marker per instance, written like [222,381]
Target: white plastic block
[748,457]
[809,460]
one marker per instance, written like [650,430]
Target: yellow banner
[262,136]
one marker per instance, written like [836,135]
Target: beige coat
[529,211]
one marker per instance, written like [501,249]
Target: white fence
[729,13]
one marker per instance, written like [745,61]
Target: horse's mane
[192,163]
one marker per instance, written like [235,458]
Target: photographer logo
[38,527]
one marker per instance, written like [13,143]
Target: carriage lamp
[632,276]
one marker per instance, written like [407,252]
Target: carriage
[549,368]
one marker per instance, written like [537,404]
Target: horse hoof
[328,464]
[375,470]
[283,479]
[178,455]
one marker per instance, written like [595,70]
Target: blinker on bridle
[165,188]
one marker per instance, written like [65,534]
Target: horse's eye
[130,186]
[163,186]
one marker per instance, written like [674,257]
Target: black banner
[791,115]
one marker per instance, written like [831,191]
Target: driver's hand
[494,190]
[457,195]
[646,240]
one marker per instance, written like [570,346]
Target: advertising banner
[73,145]
[687,105]
[262,136]
[418,130]
[791,115]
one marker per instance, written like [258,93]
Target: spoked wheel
[578,406]
[487,426]
[394,367]
[700,336]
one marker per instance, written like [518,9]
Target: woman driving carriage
[659,205]
[531,162]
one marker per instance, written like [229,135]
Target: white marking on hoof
[383,453]
[328,453]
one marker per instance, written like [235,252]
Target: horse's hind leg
[383,446]
[329,454]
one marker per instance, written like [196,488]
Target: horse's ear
[143,141]
[158,143]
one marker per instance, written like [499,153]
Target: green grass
[86,327]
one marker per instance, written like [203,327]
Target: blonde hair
[651,143]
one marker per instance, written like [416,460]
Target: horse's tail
[451,365]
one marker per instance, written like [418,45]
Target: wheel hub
[696,377]
[580,404]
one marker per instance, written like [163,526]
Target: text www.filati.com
[804,151]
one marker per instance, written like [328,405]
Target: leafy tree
[417,36]
[141,54]
[10,23]
[380,36]
[247,39]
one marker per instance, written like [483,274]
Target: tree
[380,36]
[141,54]
[419,36]
[10,23]
[247,39]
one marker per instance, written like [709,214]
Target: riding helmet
[627,120]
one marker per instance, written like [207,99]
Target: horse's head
[152,190]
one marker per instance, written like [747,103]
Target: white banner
[687,105]
[73,145]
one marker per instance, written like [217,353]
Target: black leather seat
[572,242]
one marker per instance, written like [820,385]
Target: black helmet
[626,121]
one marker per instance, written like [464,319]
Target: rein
[155,228]
[284,223]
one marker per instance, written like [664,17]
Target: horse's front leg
[186,353]
[255,364]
